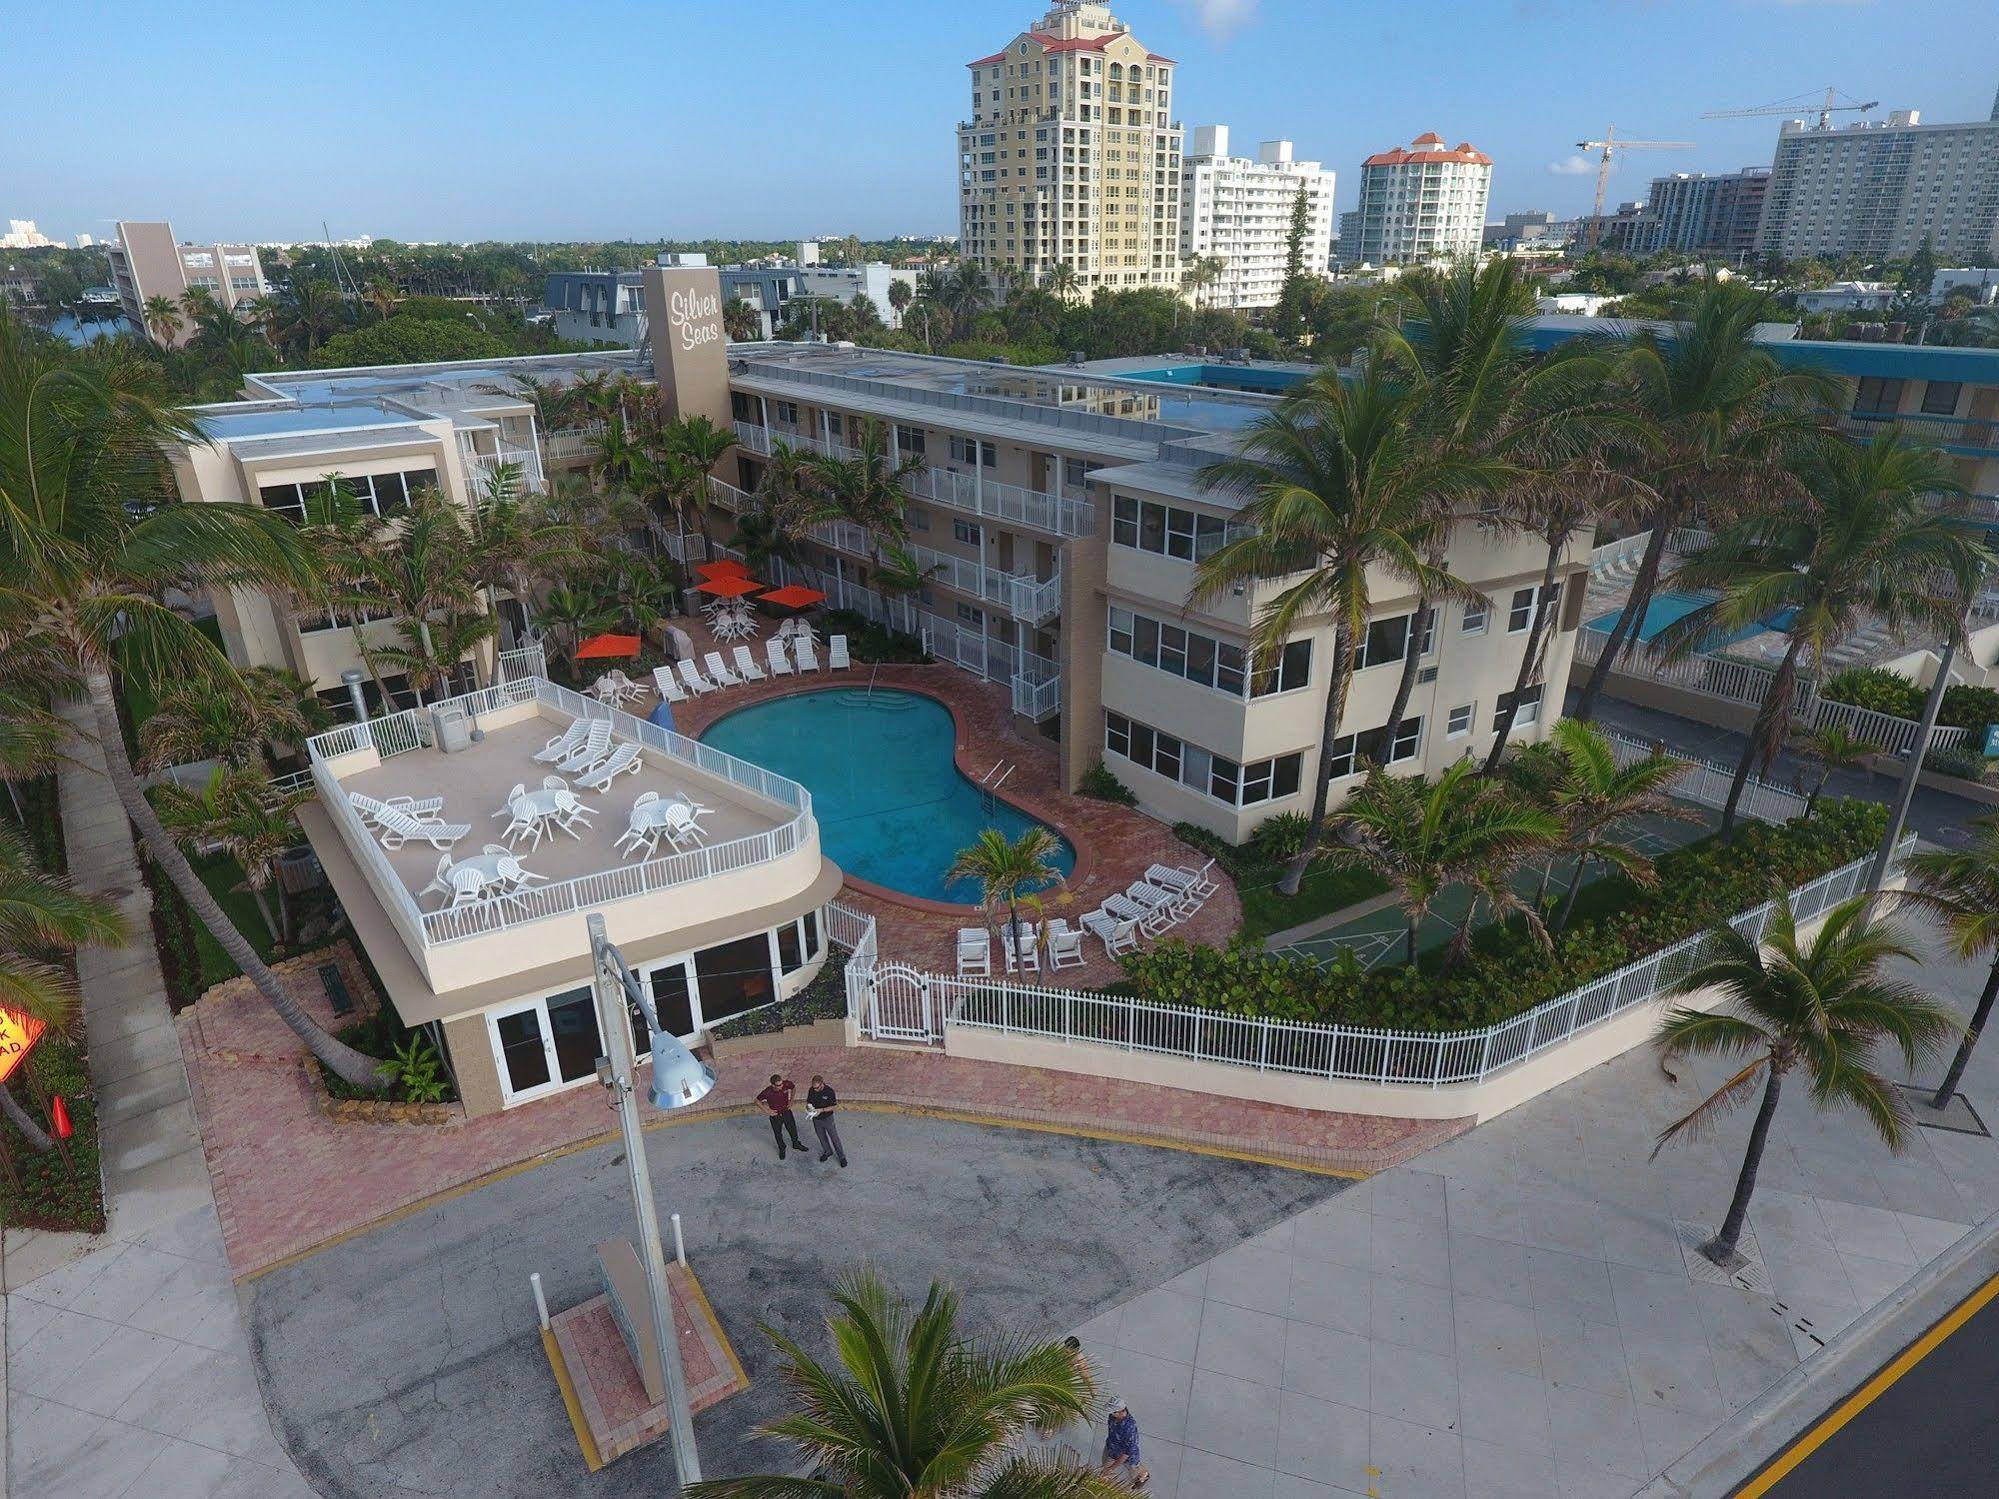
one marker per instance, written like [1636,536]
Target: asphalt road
[406,1361]
[1938,817]
[1932,1434]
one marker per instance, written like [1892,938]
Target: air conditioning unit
[1427,675]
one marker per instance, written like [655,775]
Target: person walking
[820,1101]
[776,1100]
[1121,1462]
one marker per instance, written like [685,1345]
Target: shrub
[1099,782]
[417,1072]
[868,641]
[175,937]
[1279,839]
[1968,707]
[1876,689]
[825,998]
[1954,760]
[1616,922]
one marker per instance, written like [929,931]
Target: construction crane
[1608,147]
[1826,107]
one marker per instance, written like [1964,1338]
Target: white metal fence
[1706,783]
[1348,1053]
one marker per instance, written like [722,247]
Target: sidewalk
[1511,1314]
[128,1360]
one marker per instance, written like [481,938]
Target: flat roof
[227,422]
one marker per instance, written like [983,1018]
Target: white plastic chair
[569,812]
[440,883]
[780,663]
[419,808]
[696,683]
[808,656]
[624,761]
[682,827]
[718,670]
[1065,948]
[398,828]
[595,749]
[975,951]
[507,802]
[669,690]
[641,829]
[836,654]
[565,744]
[746,665]
[525,822]
[1118,936]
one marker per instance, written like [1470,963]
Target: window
[833,423]
[909,441]
[1528,712]
[786,412]
[1202,659]
[1352,752]
[740,406]
[376,494]
[1148,526]
[970,616]
[1386,640]
[1408,739]
[547,1043]
[1459,723]
[1877,395]
[1200,770]
[1940,397]
[966,532]
[1474,619]
[970,450]
[734,977]
[1520,615]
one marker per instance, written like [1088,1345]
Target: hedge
[825,998]
[1508,972]
[1879,690]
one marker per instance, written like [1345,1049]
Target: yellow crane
[1801,104]
[1607,148]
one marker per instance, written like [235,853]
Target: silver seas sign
[695,317]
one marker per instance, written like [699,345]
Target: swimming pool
[1670,606]
[893,808]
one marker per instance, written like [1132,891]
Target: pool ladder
[989,788]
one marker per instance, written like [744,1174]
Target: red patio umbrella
[726,568]
[606,647]
[792,596]
[729,588]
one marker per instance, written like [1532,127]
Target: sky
[453,120]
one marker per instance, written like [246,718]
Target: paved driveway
[406,1361]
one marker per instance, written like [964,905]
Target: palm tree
[1716,416]
[916,1406]
[1868,545]
[163,319]
[513,538]
[310,312]
[900,295]
[382,296]
[1959,888]
[1061,280]
[866,489]
[42,915]
[573,610]
[1423,837]
[898,573]
[249,819]
[1336,487]
[644,591]
[1822,1008]
[1008,868]
[339,541]
[423,573]
[700,446]
[90,533]
[202,719]
[741,323]
[1575,775]
[1832,747]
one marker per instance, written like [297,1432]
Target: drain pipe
[352,677]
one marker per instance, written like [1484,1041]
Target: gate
[899,1004]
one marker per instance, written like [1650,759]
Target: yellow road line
[1830,1424]
[721,1337]
[560,1367]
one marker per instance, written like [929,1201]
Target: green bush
[418,1073]
[176,937]
[1880,691]
[1968,707]
[825,998]
[1965,764]
[1099,782]
[868,641]
[1616,923]
[1280,839]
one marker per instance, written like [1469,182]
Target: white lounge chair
[780,663]
[1021,946]
[1065,948]
[975,951]
[595,749]
[565,744]
[1155,904]
[746,665]
[808,655]
[696,683]
[670,691]
[1118,936]
[836,654]
[624,760]
[718,670]
[398,828]
[1199,882]
[417,807]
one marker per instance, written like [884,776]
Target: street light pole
[619,1072]
[1932,705]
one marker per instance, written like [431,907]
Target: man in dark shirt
[776,1100]
[820,1101]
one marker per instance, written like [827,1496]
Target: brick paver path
[287,1177]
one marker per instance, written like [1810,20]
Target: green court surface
[1379,936]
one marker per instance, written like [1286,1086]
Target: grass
[57,1193]
[223,876]
[1324,891]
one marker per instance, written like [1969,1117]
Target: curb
[1770,1425]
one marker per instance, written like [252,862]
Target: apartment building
[1711,214]
[1882,188]
[147,262]
[1238,209]
[1420,202]
[1069,155]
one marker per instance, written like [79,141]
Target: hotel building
[1070,155]
[1239,209]
[1419,202]
[147,262]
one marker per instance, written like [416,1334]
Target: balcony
[1956,434]
[480,466]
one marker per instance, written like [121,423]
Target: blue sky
[454,120]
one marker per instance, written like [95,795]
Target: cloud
[1221,19]
[1572,166]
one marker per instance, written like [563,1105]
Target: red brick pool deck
[288,1178]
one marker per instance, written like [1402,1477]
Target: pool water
[1670,606]
[893,807]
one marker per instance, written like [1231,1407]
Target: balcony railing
[482,466]
[401,732]
[1960,434]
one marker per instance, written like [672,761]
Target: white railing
[521,664]
[1706,783]
[1355,1053]
[435,928]
[1036,701]
[1895,735]
[855,931]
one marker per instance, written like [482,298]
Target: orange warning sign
[18,1035]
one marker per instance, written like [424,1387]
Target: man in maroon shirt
[776,1100]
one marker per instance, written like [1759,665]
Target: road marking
[1830,1424]
[591,1459]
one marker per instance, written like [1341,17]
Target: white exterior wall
[1240,209]
[1881,189]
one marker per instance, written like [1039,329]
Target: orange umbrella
[729,588]
[792,596]
[607,646]
[726,568]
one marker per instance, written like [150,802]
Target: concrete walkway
[128,1363]
[1511,1314]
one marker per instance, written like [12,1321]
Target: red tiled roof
[1428,138]
[1066,44]
[1155,57]
[1400,157]
[986,62]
